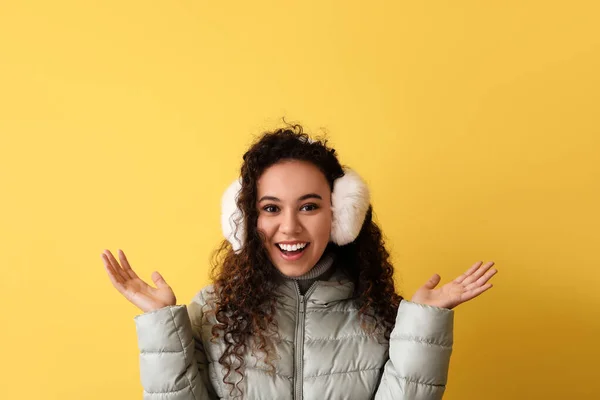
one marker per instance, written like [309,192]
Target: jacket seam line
[166,351]
[266,371]
[344,372]
[340,338]
[167,392]
[417,340]
[184,355]
[413,381]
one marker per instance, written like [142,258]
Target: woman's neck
[322,270]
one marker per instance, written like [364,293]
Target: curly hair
[246,281]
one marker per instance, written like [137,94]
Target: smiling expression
[294,214]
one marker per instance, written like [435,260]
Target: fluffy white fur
[230,213]
[349,202]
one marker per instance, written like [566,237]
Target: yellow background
[474,123]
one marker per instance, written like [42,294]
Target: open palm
[467,286]
[138,292]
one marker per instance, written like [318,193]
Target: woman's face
[294,205]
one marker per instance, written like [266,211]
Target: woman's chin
[294,267]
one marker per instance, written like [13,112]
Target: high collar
[337,287]
[322,270]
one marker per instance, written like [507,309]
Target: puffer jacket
[323,353]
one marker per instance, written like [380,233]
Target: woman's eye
[272,208]
[314,207]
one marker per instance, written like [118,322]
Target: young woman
[303,304]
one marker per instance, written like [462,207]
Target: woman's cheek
[263,233]
[264,227]
[325,226]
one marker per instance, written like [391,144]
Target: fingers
[114,277]
[116,267]
[432,283]
[159,280]
[128,270]
[461,278]
[466,296]
[481,280]
[478,273]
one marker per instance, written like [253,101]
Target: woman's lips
[292,256]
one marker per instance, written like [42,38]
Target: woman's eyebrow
[304,197]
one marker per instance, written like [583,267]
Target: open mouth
[289,253]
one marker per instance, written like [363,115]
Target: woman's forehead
[292,178]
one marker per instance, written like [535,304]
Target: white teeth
[292,247]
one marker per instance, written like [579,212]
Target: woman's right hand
[138,292]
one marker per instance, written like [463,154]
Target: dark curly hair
[246,281]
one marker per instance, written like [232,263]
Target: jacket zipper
[299,351]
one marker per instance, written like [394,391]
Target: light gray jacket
[324,353]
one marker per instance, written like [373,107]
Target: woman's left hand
[467,286]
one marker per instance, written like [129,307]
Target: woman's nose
[290,223]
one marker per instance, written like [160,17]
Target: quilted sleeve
[173,364]
[419,353]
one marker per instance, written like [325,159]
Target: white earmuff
[231,216]
[350,201]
